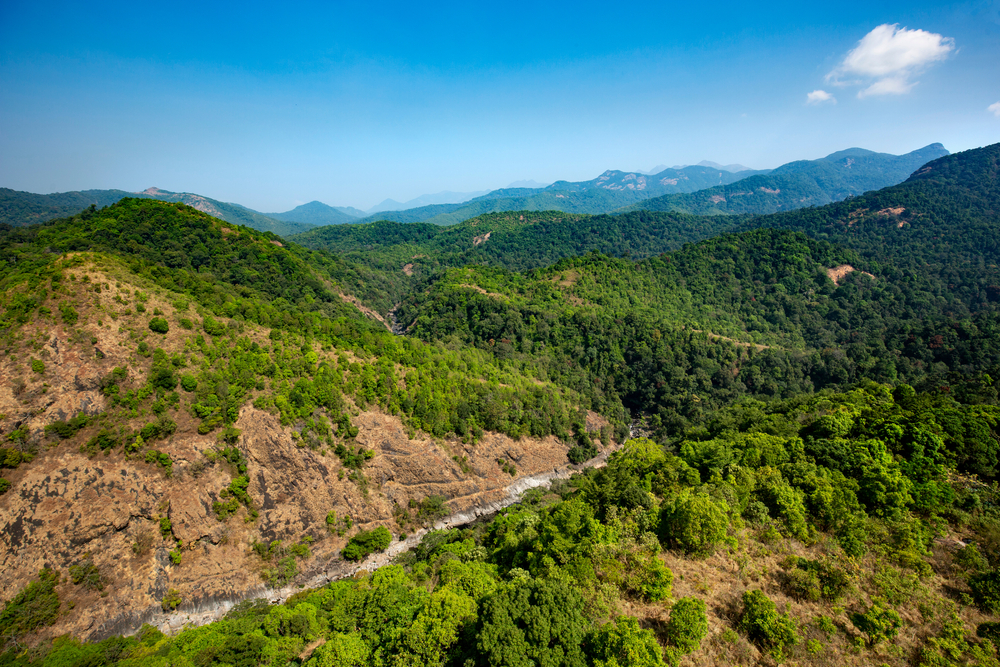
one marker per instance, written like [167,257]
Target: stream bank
[213,608]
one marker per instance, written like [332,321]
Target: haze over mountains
[705,189]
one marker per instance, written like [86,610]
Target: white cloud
[819,97]
[886,58]
[994,109]
[895,85]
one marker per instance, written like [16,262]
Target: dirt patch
[838,273]
[715,336]
[483,291]
[892,211]
[715,199]
[484,238]
[408,269]
[353,300]
[567,278]
[769,190]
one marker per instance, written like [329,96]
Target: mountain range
[706,189]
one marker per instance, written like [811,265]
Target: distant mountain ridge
[696,189]
[445,197]
[25,208]
[612,190]
[714,165]
[706,189]
[800,184]
[317,213]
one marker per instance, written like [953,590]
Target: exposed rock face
[65,505]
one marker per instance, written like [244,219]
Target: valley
[703,434]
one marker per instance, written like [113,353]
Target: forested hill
[405,255]
[26,208]
[941,224]
[318,213]
[183,248]
[801,184]
[877,293]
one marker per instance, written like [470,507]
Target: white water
[212,609]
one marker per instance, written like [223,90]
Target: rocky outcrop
[134,518]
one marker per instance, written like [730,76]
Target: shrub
[367,542]
[37,365]
[69,314]
[67,429]
[171,600]
[36,605]
[813,580]
[688,624]
[186,323]
[624,643]
[86,574]
[189,382]
[159,325]
[879,623]
[4,485]
[695,522]
[213,327]
[990,631]
[765,626]
[986,590]
[970,558]
[285,571]
[105,439]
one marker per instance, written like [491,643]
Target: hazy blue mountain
[318,213]
[445,197]
[667,181]
[801,183]
[530,183]
[610,191]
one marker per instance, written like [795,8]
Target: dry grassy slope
[64,505]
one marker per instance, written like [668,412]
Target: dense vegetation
[517,241]
[856,483]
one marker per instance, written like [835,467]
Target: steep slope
[194,389]
[801,184]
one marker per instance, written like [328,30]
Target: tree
[624,644]
[159,325]
[688,624]
[764,625]
[340,650]
[695,522]
[532,622]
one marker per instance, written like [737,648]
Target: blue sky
[352,103]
